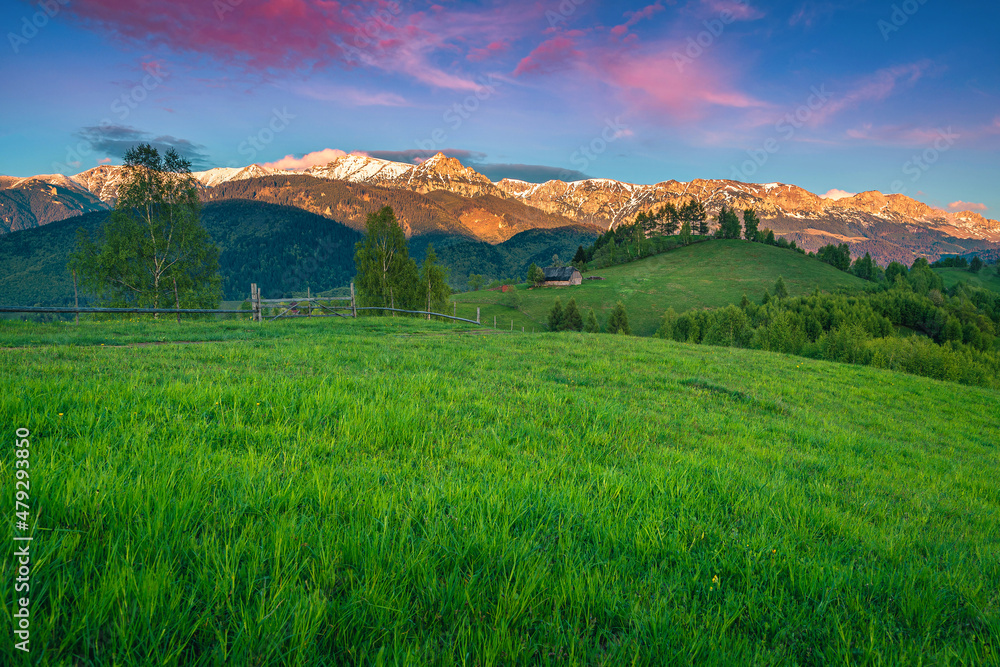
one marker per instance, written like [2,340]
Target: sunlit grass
[393,491]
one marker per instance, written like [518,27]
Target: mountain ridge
[891,226]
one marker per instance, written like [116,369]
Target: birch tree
[153,252]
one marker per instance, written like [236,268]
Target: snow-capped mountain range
[859,220]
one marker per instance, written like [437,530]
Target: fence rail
[155,311]
[255,312]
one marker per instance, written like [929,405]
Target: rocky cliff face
[891,226]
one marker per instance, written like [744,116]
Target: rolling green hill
[283,249]
[397,491]
[279,247]
[710,274]
[987,278]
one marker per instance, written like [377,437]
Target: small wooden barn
[564,275]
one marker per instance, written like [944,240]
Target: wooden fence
[293,307]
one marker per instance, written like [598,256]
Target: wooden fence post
[309,311]
[455,309]
[512,325]
[354,307]
[254,303]
[477,315]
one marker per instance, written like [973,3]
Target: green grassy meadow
[392,491]
[702,275]
[987,278]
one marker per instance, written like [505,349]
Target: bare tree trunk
[156,295]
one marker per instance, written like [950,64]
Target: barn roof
[559,273]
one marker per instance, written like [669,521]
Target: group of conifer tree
[570,319]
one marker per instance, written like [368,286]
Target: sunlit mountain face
[839,98]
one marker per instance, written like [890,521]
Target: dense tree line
[570,319]
[914,326]
[668,227]
[974,266]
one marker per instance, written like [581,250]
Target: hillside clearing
[711,274]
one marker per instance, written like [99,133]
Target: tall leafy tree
[476,281]
[536,275]
[864,267]
[387,275]
[434,289]
[751,223]
[153,252]
[836,255]
[895,270]
[685,233]
[976,265]
[580,257]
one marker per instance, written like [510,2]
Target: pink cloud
[550,55]
[635,17]
[652,80]
[876,87]
[492,49]
[350,96]
[741,11]
[836,194]
[290,162]
[104,160]
[901,135]
[966,206]
[309,35]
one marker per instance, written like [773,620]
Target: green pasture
[702,275]
[392,491]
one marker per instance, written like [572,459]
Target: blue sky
[852,96]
